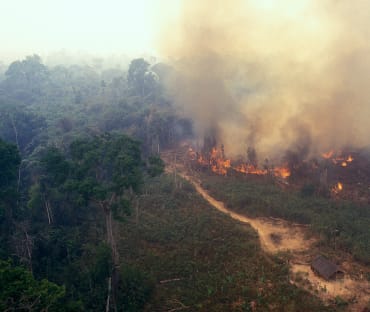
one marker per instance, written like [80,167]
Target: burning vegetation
[216,162]
[338,174]
[338,158]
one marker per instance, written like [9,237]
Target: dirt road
[274,234]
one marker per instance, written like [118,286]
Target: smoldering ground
[274,75]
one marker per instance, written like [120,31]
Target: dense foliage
[19,291]
[60,205]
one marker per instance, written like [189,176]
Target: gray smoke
[275,75]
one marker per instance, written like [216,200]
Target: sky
[99,27]
[95,26]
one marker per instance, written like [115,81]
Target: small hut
[326,268]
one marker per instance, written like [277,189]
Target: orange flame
[249,169]
[215,161]
[337,188]
[282,172]
[338,158]
[219,165]
[328,155]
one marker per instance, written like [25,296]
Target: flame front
[217,162]
[249,169]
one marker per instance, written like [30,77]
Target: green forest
[91,221]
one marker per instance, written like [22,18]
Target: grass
[201,260]
[340,224]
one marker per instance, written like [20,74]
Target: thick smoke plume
[274,75]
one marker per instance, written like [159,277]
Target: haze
[268,74]
[96,27]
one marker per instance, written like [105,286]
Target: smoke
[273,75]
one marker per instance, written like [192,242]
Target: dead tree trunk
[107,305]
[110,236]
[114,278]
[17,143]
[48,210]
[137,211]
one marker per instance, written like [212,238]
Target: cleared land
[277,235]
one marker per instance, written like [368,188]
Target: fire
[249,169]
[338,158]
[328,155]
[282,172]
[220,166]
[337,188]
[214,160]
[217,162]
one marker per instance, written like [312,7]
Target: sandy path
[287,237]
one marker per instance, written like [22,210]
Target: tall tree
[9,163]
[20,126]
[110,165]
[26,79]
[46,193]
[136,75]
[108,171]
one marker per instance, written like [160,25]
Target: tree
[98,175]
[136,75]
[108,170]
[19,291]
[26,79]
[156,166]
[9,163]
[53,172]
[252,156]
[21,127]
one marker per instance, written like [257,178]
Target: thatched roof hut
[325,268]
